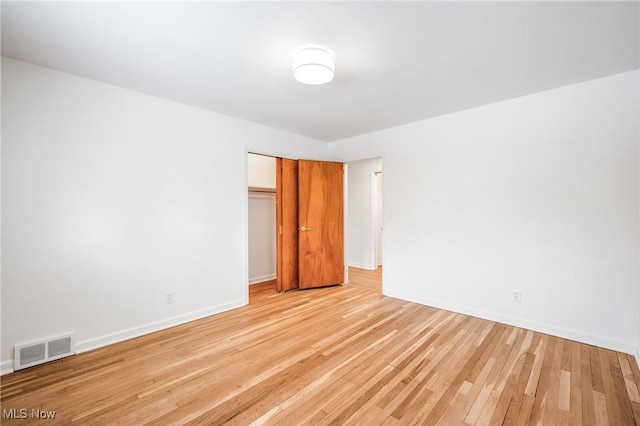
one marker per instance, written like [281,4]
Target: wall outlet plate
[516,296]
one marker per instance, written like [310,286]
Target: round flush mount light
[313,65]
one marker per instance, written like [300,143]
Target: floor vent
[43,351]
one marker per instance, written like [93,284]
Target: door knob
[304,229]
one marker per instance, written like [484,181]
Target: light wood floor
[337,355]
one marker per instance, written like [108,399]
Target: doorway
[365,213]
[296,223]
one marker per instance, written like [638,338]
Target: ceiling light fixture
[313,65]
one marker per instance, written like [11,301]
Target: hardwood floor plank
[539,351]
[524,416]
[461,410]
[551,406]
[567,353]
[633,390]
[489,408]
[515,402]
[564,393]
[542,391]
[613,410]
[453,384]
[600,404]
[618,390]
[588,407]
[596,370]
[576,370]
[339,355]
[575,411]
[635,368]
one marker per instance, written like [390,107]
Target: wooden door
[286,224]
[320,223]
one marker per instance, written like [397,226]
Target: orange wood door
[320,223]
[286,224]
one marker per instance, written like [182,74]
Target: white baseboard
[120,336]
[575,335]
[109,339]
[6,367]
[361,266]
[261,279]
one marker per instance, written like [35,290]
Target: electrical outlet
[516,296]
[168,298]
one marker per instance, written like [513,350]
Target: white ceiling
[396,62]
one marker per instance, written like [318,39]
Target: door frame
[376,216]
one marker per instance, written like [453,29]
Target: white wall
[262,171]
[111,198]
[538,194]
[361,244]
